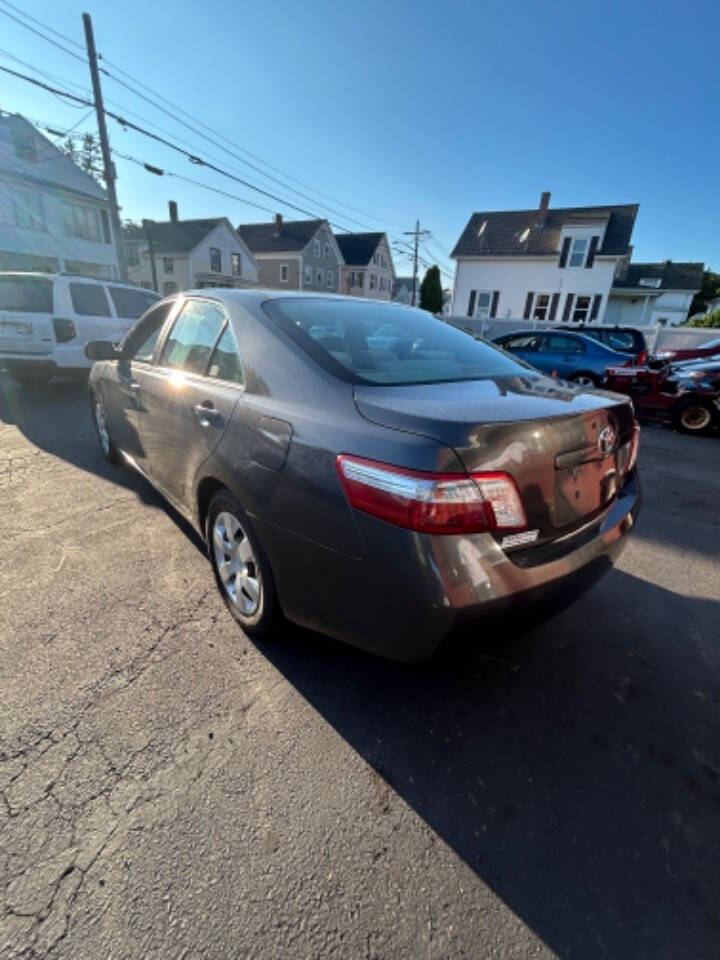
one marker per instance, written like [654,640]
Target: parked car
[374,496]
[709,349]
[46,320]
[572,356]
[687,395]
[623,339]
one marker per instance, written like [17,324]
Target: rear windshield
[26,294]
[131,304]
[624,340]
[387,343]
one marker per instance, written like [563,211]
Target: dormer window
[524,235]
[483,225]
[578,251]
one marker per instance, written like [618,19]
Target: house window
[578,250]
[169,287]
[132,255]
[81,222]
[105,221]
[482,304]
[372,281]
[24,146]
[215,260]
[375,259]
[317,249]
[359,276]
[283,273]
[328,278]
[308,275]
[236,260]
[29,211]
[319,278]
[327,251]
[581,309]
[541,307]
[471,303]
[168,265]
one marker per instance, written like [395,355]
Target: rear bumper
[64,357]
[409,590]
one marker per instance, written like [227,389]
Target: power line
[40,23]
[39,34]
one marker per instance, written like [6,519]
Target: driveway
[172,790]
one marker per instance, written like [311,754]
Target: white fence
[656,337]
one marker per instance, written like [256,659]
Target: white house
[188,254]
[653,293]
[53,216]
[544,264]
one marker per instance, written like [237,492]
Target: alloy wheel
[584,381]
[236,564]
[695,418]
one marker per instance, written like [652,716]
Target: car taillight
[641,359]
[432,502]
[64,329]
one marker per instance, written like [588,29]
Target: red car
[709,349]
[687,395]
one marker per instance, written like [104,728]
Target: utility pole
[147,224]
[108,165]
[417,233]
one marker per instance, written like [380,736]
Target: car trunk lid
[565,447]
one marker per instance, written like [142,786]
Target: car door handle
[206,413]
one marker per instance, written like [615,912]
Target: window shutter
[494,304]
[528,305]
[597,300]
[594,241]
[568,307]
[471,303]
[554,305]
[564,252]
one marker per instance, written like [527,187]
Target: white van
[46,320]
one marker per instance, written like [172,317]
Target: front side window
[225,360]
[283,272]
[578,250]
[89,300]
[236,264]
[130,304]
[215,260]
[192,338]
[168,265]
[581,309]
[523,341]
[139,345]
[379,342]
[541,306]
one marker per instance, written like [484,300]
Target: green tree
[707,320]
[709,291]
[431,290]
[84,150]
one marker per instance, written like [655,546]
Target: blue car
[571,356]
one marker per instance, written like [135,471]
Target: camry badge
[606,440]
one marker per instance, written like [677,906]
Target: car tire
[584,379]
[30,376]
[241,567]
[692,416]
[99,417]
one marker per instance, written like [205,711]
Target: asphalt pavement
[173,790]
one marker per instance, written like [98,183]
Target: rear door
[562,353]
[26,312]
[189,396]
[92,314]
[130,303]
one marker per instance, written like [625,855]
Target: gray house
[294,254]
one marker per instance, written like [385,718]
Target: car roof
[39,275]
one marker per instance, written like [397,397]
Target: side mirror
[101,350]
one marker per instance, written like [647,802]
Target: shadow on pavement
[56,419]
[575,768]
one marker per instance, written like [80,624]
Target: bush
[706,320]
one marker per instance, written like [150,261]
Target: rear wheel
[692,416]
[583,379]
[109,450]
[240,565]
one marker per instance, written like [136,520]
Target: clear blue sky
[415,110]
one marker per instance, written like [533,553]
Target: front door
[123,403]
[188,397]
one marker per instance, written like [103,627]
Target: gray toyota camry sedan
[363,468]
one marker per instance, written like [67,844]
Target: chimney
[543,208]
[172,206]
[278,223]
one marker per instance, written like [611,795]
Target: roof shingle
[294,235]
[173,236]
[673,276]
[357,248]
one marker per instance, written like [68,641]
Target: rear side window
[192,338]
[225,360]
[26,294]
[89,300]
[131,304]
[556,343]
[386,343]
